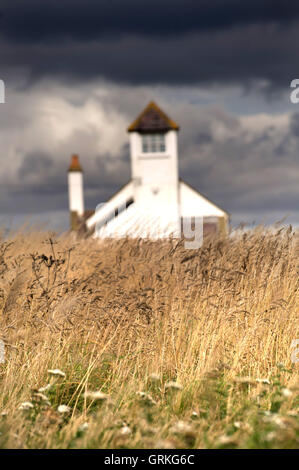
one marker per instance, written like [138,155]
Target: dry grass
[191,330]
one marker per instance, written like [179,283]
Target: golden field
[152,345]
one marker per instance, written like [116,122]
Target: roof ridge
[138,125]
[181,180]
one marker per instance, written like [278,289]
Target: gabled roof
[152,119]
[203,196]
[75,164]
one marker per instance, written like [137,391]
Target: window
[153,143]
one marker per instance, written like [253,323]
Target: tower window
[153,143]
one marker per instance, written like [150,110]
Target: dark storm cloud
[173,41]
[35,163]
[34,20]
[41,181]
[294,125]
[241,169]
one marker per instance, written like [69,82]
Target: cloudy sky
[78,72]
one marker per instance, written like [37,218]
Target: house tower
[75,185]
[154,158]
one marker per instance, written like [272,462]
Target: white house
[155,202]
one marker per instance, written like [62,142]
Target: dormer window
[152,143]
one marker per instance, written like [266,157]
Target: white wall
[193,204]
[109,207]
[155,175]
[138,222]
[159,198]
[75,185]
[155,178]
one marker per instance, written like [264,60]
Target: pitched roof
[202,195]
[152,119]
[75,164]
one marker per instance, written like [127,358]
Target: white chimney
[75,183]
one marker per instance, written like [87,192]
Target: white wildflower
[238,424]
[63,409]
[280,422]
[125,431]
[26,405]
[165,444]
[41,397]
[45,388]
[275,419]
[173,386]
[146,398]
[83,427]
[96,395]
[56,373]
[287,392]
[154,378]
[181,427]
[226,440]
[264,381]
